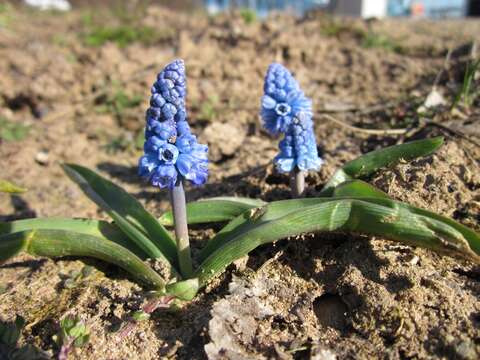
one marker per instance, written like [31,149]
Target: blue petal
[284,164]
[184,164]
[164,176]
[268,102]
[147,164]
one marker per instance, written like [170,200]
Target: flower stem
[297,182]
[177,198]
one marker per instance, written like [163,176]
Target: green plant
[468,92]
[10,350]
[6,14]
[118,102]
[72,333]
[13,131]
[124,35]
[371,40]
[208,108]
[248,15]
[347,205]
[75,276]
[118,144]
[8,187]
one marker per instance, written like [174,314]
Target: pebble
[42,158]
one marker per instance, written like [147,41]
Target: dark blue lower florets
[298,148]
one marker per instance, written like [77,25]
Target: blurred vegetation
[125,28]
[248,15]
[371,39]
[125,142]
[122,35]
[468,91]
[208,108]
[13,131]
[117,102]
[334,27]
[368,39]
[10,333]
[6,16]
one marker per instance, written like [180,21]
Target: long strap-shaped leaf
[253,218]
[96,228]
[53,243]
[127,212]
[393,222]
[364,191]
[215,209]
[371,162]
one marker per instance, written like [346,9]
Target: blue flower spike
[172,153]
[283,99]
[286,110]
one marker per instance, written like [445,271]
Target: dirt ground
[322,296]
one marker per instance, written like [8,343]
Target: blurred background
[363,8]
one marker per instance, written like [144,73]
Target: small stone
[42,158]
[414,260]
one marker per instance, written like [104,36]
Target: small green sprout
[468,92]
[13,131]
[75,276]
[208,109]
[73,333]
[248,15]
[118,102]
[10,188]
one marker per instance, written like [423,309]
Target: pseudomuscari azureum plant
[286,109]
[172,155]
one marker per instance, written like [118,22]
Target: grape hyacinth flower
[171,153]
[286,109]
[283,99]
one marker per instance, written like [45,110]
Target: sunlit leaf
[53,243]
[98,228]
[215,209]
[373,161]
[372,216]
[128,214]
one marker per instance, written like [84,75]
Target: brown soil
[319,296]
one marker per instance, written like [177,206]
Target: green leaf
[81,340]
[183,290]
[8,187]
[373,216]
[248,220]
[140,316]
[358,188]
[128,214]
[98,228]
[371,162]
[53,243]
[10,332]
[215,209]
